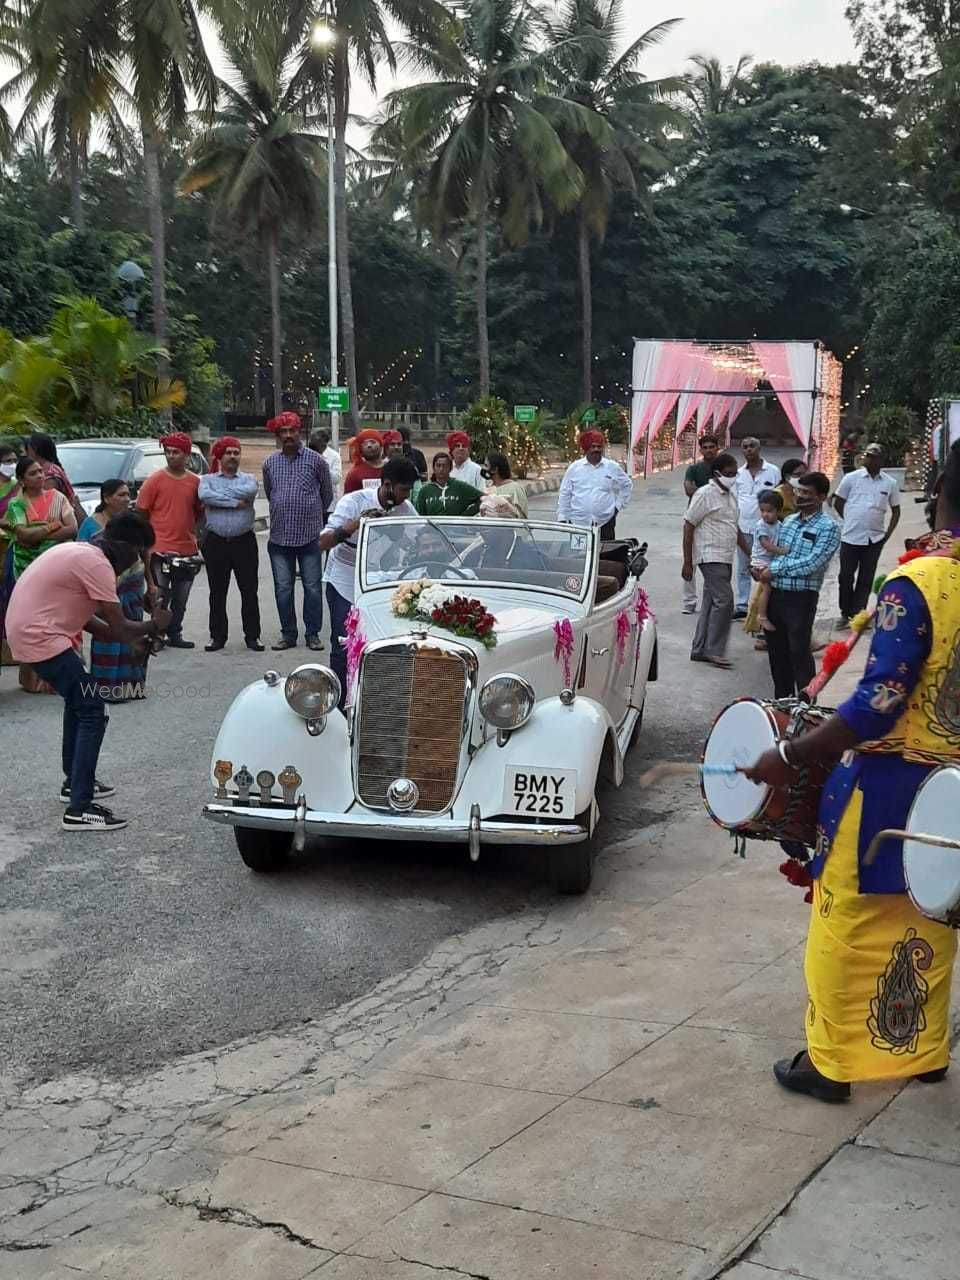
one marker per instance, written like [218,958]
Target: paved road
[123,953]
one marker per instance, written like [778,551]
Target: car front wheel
[263,851]
[571,866]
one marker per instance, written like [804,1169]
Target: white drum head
[742,733]
[933,875]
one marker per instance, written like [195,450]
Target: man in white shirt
[594,489]
[752,479]
[464,468]
[711,537]
[390,498]
[320,443]
[863,501]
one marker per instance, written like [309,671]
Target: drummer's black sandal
[932,1077]
[808,1080]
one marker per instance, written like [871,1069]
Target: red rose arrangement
[467,618]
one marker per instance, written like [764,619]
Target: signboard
[524,413]
[333,400]
[589,417]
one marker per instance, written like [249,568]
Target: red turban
[220,447]
[392,437]
[358,441]
[456,438]
[177,440]
[282,420]
[591,440]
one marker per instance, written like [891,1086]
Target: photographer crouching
[72,588]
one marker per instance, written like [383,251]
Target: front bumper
[364,825]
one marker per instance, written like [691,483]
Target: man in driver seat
[502,548]
[398,477]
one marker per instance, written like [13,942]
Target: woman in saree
[119,673]
[41,448]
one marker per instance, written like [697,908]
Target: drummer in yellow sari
[878,972]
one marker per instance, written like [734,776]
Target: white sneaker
[689,608]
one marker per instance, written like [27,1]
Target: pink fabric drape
[775,359]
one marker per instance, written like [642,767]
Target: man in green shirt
[695,478]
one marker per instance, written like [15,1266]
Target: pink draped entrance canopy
[716,379]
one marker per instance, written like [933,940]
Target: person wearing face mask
[790,474]
[711,537]
[398,477]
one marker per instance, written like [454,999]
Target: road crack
[240,1218]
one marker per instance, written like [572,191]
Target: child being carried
[766,546]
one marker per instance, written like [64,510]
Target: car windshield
[92,466]
[492,552]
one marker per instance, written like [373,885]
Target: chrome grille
[411,705]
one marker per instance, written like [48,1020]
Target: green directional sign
[524,413]
[333,400]
[589,417]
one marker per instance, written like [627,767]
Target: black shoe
[180,643]
[100,791]
[214,646]
[809,1081]
[284,643]
[94,818]
[314,643]
[932,1077]
[256,646]
[739,615]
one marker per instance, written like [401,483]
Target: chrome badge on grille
[403,794]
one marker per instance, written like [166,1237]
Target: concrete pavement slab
[549,1052]
[36,1265]
[500,1243]
[869,1215]
[346,1267]
[698,1182]
[771,1002]
[924,1121]
[652,866]
[412,1130]
[627,982]
[328,1209]
[724,1075]
[707,934]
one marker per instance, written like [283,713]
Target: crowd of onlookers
[763,537]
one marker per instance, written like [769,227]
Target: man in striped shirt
[811,539]
[230,547]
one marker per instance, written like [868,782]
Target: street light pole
[324,37]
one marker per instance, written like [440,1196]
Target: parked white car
[444,738]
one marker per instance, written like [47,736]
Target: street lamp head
[846,210]
[323,35]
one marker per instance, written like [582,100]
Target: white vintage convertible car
[445,737]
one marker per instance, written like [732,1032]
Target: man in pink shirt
[70,589]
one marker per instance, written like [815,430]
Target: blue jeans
[744,580]
[339,608]
[84,721]
[283,562]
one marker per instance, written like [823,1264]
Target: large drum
[739,737]
[932,872]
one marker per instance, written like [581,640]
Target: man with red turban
[170,501]
[464,468]
[366,454]
[594,489]
[392,444]
[297,483]
[228,496]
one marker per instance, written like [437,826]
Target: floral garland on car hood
[443,606]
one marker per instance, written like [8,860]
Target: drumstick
[682,767]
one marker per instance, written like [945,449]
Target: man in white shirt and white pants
[863,501]
[594,489]
[398,477]
[752,479]
[320,443]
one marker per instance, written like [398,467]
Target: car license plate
[541,793]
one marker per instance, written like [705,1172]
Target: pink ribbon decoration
[642,611]
[356,643]
[563,649]
[623,630]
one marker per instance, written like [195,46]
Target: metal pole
[332,259]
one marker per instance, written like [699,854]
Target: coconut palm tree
[168,63]
[9,53]
[489,128]
[591,69]
[261,155]
[712,89]
[70,56]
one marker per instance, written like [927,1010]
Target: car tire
[263,851]
[571,866]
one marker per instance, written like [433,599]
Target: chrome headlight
[312,691]
[507,702]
